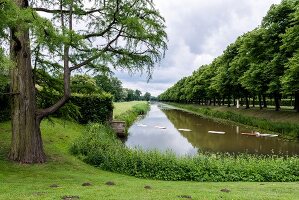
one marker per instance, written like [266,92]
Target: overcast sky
[198,31]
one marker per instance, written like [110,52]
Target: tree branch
[77,66]
[57,11]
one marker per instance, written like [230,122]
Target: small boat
[216,132]
[250,134]
[160,127]
[267,135]
[184,129]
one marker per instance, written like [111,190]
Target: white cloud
[198,31]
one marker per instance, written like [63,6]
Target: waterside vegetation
[283,126]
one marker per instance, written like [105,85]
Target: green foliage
[93,108]
[260,63]
[100,147]
[84,84]
[111,85]
[285,129]
[130,116]
[81,107]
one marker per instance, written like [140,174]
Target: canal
[166,128]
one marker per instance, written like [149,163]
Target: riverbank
[129,112]
[63,176]
[285,123]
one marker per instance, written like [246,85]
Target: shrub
[100,147]
[80,107]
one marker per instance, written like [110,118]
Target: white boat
[216,132]
[160,127]
[266,135]
[184,129]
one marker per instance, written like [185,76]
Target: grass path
[24,182]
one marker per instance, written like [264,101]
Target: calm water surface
[145,134]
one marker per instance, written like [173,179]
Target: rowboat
[216,132]
[184,129]
[160,127]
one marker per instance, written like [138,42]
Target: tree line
[260,64]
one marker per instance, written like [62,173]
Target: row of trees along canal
[263,63]
[75,35]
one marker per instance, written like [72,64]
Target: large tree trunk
[264,101]
[277,102]
[296,105]
[247,102]
[26,146]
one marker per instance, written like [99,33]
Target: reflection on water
[145,134]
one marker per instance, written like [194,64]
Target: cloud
[198,31]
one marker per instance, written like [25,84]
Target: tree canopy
[262,63]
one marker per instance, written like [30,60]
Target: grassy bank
[100,147]
[129,111]
[285,123]
[32,182]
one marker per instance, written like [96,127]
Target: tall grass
[100,147]
[285,129]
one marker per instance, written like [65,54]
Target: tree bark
[260,102]
[265,101]
[296,105]
[26,144]
[247,102]
[277,102]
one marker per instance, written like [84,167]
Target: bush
[82,108]
[100,147]
[93,108]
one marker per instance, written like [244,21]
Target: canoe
[267,135]
[250,134]
[160,127]
[216,132]
[184,129]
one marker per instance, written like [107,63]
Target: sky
[198,31]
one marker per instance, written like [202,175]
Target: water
[146,133]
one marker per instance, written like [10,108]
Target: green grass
[31,182]
[286,123]
[122,107]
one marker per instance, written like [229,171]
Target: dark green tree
[124,34]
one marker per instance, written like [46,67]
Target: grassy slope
[270,114]
[32,181]
[121,107]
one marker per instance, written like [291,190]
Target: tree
[290,47]
[84,84]
[110,84]
[137,95]
[121,34]
[147,96]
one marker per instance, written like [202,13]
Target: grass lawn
[121,107]
[26,182]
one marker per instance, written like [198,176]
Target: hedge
[82,108]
